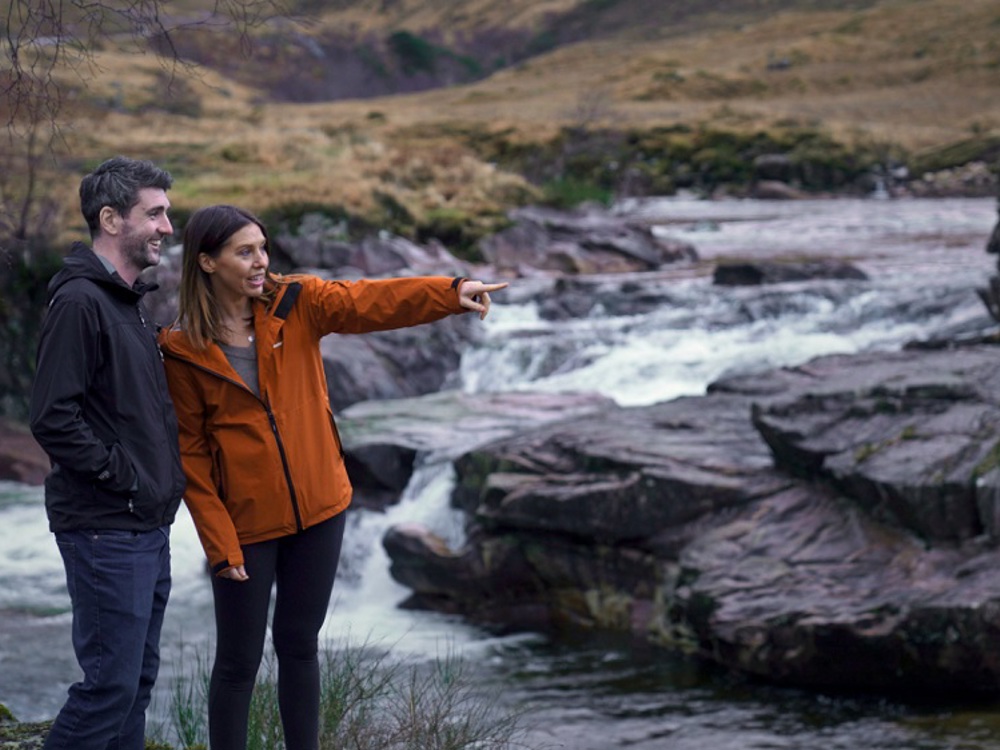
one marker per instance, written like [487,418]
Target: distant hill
[914,72]
[432,117]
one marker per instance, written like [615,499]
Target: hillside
[462,109]
[892,76]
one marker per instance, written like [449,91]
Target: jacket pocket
[219,474]
[119,476]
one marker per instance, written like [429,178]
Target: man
[101,410]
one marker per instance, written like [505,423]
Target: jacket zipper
[292,495]
[284,464]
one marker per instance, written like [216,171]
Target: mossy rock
[23,736]
[979,148]
[458,230]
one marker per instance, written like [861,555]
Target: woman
[267,487]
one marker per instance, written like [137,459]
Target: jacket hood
[82,263]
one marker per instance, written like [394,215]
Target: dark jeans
[119,582]
[304,567]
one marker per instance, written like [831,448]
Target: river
[924,259]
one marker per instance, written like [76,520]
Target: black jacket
[100,406]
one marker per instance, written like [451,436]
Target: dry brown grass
[913,73]
[447,17]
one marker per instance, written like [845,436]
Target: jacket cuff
[218,568]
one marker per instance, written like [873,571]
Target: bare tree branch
[45,39]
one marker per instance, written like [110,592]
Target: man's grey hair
[116,183]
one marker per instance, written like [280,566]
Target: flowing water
[924,260]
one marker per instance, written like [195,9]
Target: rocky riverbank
[17,736]
[800,525]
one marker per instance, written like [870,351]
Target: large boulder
[585,241]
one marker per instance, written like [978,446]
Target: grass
[916,75]
[368,701]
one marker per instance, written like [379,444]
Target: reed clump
[370,700]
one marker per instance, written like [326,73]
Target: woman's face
[240,267]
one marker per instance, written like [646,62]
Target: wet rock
[775,190]
[909,436]
[15,735]
[805,588]
[801,525]
[447,424]
[382,438]
[585,241]
[756,273]
[395,364]
[774,168]
[616,294]
[21,458]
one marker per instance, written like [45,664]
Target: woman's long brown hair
[207,231]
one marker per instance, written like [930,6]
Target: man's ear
[207,262]
[110,220]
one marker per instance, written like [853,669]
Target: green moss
[569,192]
[599,164]
[288,217]
[865,451]
[458,230]
[984,148]
[990,463]
[27,736]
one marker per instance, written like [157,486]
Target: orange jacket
[261,468]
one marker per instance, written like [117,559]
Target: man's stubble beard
[136,251]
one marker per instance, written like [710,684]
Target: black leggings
[304,567]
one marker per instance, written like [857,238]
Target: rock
[394,364]
[993,243]
[586,241]
[755,273]
[804,588]
[800,525]
[21,458]
[774,168]
[321,247]
[15,735]
[775,190]
[447,424]
[910,436]
[577,296]
[973,179]
[383,438]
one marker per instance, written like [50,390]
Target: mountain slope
[891,75]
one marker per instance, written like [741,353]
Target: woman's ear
[207,262]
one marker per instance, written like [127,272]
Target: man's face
[144,228]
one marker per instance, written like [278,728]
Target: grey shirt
[244,361]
